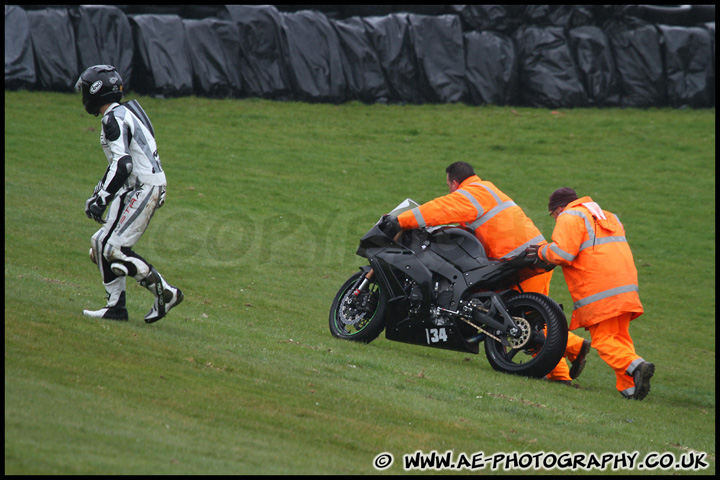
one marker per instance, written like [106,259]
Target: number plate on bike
[436,335]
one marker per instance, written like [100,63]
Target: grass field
[266,203]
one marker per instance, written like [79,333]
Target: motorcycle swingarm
[506,325]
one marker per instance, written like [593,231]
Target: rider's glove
[95,206]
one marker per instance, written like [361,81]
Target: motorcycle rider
[504,231]
[133,187]
[590,245]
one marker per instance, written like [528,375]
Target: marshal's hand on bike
[532,252]
[389,225]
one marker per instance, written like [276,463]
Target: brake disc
[348,313]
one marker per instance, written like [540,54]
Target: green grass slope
[266,203]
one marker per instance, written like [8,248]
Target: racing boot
[115,308]
[166,296]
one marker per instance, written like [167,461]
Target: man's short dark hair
[459,171]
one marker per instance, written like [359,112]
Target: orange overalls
[501,226]
[590,245]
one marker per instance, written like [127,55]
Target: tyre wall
[549,56]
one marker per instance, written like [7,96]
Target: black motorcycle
[436,287]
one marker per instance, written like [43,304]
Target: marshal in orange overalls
[590,245]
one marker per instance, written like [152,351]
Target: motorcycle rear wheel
[358,318]
[544,350]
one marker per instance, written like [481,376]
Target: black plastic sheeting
[103,36]
[688,64]
[53,39]
[19,56]
[639,63]
[440,57]
[595,64]
[215,58]
[549,56]
[389,36]
[262,51]
[547,70]
[364,77]
[491,68]
[162,60]
[313,57]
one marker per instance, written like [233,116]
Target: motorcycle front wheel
[361,317]
[545,328]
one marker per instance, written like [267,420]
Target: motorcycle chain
[482,330]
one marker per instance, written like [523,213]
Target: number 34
[435,335]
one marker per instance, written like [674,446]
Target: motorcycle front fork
[364,283]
